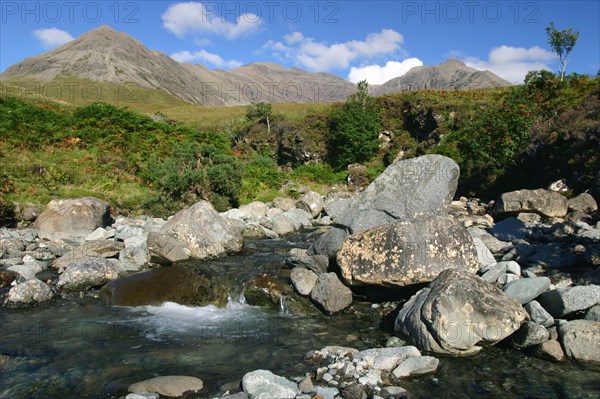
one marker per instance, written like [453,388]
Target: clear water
[81,348]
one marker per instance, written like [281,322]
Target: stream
[83,348]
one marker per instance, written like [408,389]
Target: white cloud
[513,63]
[319,56]
[199,18]
[205,57]
[375,74]
[52,37]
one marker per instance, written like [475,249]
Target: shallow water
[83,348]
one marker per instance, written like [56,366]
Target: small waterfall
[283,307]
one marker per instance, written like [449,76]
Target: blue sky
[373,40]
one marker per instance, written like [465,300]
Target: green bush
[318,173]
[198,171]
[490,140]
[259,174]
[354,129]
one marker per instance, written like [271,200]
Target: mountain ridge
[106,55]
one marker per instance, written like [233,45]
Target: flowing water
[81,348]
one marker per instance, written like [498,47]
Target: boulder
[335,208]
[331,294]
[311,202]
[408,252]
[100,234]
[282,225]
[414,366]
[72,219]
[584,202]
[303,280]
[169,385]
[165,250]
[510,229]
[484,255]
[457,314]
[387,358]
[92,272]
[136,254]
[492,272]
[263,384]
[203,231]
[30,292]
[317,263]
[423,185]
[527,289]
[529,334]
[550,350]
[255,209]
[544,202]
[580,340]
[91,249]
[538,314]
[255,231]
[179,283]
[285,204]
[564,301]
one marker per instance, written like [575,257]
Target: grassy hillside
[157,154]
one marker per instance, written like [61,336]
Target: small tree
[562,42]
[354,129]
[260,111]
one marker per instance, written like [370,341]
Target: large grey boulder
[311,202]
[584,202]
[543,202]
[165,250]
[92,272]
[72,219]
[203,231]
[580,340]
[330,293]
[527,289]
[263,384]
[408,252]
[168,385]
[564,301]
[90,249]
[136,254]
[538,314]
[303,280]
[30,292]
[529,334]
[458,314]
[407,188]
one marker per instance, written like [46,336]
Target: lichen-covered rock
[203,231]
[407,188]
[408,252]
[72,219]
[263,384]
[92,272]
[457,314]
[90,249]
[30,292]
[168,385]
[584,202]
[543,202]
[581,340]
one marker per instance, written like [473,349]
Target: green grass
[39,176]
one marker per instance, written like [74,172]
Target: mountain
[105,55]
[452,74]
